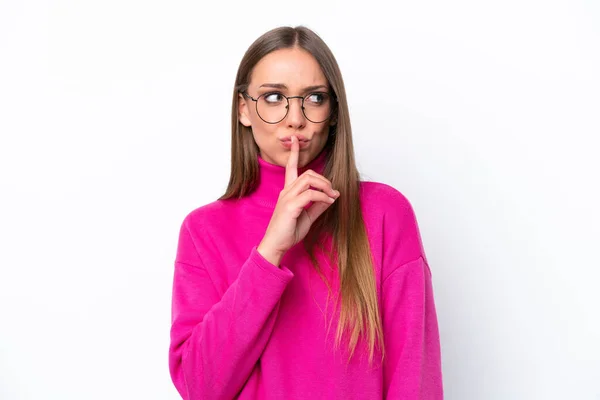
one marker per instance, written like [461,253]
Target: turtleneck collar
[272,178]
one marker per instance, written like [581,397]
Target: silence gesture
[291,221]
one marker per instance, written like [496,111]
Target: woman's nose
[295,115]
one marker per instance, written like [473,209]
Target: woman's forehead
[294,68]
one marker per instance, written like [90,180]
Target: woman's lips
[288,144]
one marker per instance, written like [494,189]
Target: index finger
[291,168]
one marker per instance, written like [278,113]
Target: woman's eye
[315,98]
[273,97]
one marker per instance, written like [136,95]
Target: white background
[114,122]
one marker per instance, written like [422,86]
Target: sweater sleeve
[217,340]
[412,366]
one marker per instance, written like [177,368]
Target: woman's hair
[342,222]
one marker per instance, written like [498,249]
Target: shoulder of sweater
[401,234]
[384,196]
[208,213]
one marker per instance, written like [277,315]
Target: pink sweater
[243,328]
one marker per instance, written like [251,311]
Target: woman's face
[292,72]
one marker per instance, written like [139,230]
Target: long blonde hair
[343,221]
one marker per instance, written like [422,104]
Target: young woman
[256,270]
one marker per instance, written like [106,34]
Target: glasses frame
[287,98]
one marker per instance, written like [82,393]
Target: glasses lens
[272,107]
[317,106]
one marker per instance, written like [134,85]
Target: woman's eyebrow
[282,86]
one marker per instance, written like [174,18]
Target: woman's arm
[216,341]
[412,366]
[412,363]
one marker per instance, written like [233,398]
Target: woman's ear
[243,112]
[333,120]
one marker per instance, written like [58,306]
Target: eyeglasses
[273,107]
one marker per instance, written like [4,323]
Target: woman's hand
[291,221]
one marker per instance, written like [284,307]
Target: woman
[256,269]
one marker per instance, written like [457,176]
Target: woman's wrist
[274,257]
